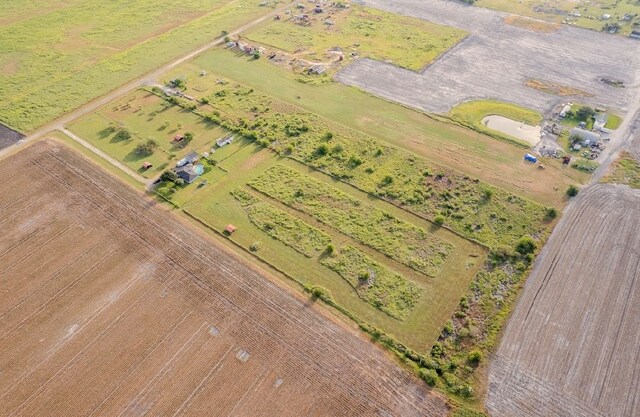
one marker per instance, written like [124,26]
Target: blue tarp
[530,158]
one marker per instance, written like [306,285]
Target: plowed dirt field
[110,306]
[572,346]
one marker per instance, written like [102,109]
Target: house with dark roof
[187,173]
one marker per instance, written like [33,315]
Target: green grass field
[397,239]
[476,154]
[68,53]
[403,41]
[471,114]
[626,170]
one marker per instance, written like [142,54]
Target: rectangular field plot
[385,288]
[111,306]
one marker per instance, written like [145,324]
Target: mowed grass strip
[399,240]
[55,62]
[471,113]
[384,289]
[282,226]
[407,42]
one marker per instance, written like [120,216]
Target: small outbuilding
[146,165]
[230,229]
[635,34]
[224,141]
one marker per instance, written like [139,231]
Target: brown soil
[531,24]
[572,345]
[556,89]
[112,307]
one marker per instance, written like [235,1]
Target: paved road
[60,124]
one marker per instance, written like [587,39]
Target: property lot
[496,60]
[571,347]
[129,312]
[144,117]
[338,35]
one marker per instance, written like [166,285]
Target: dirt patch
[113,307]
[11,67]
[531,24]
[556,89]
[523,131]
[572,345]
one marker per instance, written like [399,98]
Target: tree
[188,137]
[526,245]
[439,220]
[572,191]
[585,113]
[551,214]
[123,134]
[168,176]
[147,148]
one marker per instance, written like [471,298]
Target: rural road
[147,182]
[60,123]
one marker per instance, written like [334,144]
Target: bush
[439,220]
[355,161]
[474,357]
[330,249]
[572,191]
[429,376]
[387,180]
[322,150]
[179,182]
[526,245]
[551,213]
[255,246]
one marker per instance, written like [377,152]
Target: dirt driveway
[496,59]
